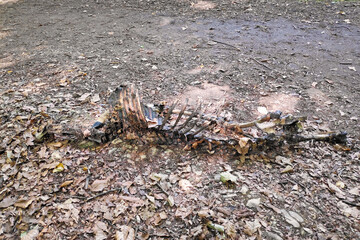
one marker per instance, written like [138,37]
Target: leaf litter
[50,189]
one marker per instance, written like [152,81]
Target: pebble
[253,203]
[289,219]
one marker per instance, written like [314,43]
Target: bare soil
[63,58]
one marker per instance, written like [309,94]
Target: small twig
[103,193]
[351,203]
[238,49]
[260,63]
[97,195]
[226,44]
[296,183]
[159,186]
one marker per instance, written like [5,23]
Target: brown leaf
[49,165]
[7,202]
[84,96]
[72,210]
[98,185]
[66,183]
[42,153]
[185,185]
[30,235]
[182,212]
[127,233]
[287,169]
[101,225]
[355,191]
[335,190]
[22,203]
[95,98]
[100,235]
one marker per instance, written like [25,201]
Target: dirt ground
[61,59]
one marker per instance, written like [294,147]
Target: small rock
[196,83]
[283,160]
[227,177]
[340,184]
[262,110]
[171,201]
[295,187]
[287,169]
[296,216]
[352,68]
[289,219]
[253,203]
[271,236]
[244,189]
[185,185]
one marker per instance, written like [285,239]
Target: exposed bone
[180,113]
[168,114]
[202,128]
[189,118]
[195,121]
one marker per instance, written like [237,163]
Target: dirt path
[62,58]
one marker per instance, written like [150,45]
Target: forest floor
[59,60]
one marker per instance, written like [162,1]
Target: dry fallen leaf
[66,183]
[335,189]
[127,233]
[185,185]
[84,96]
[100,235]
[98,185]
[340,184]
[100,225]
[30,235]
[287,169]
[355,191]
[95,98]
[171,201]
[253,203]
[70,209]
[252,227]
[23,203]
[227,177]
[290,219]
[7,202]
[42,153]
[183,212]
[59,168]
[151,198]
